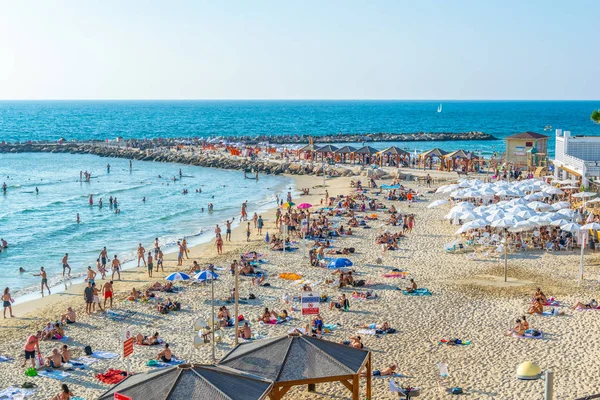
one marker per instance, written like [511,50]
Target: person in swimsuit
[159,260]
[244,332]
[179,254]
[7,302]
[91,274]
[33,343]
[591,305]
[100,268]
[150,265]
[65,264]
[96,298]
[259,224]
[44,277]
[219,243]
[64,394]
[166,355]
[248,232]
[54,360]
[156,247]
[88,296]
[141,251]
[116,267]
[103,258]
[228,231]
[107,289]
[184,247]
[65,353]
[69,317]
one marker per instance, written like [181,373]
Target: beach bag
[39,361]
[88,350]
[31,372]
[456,390]
[391,330]
[28,385]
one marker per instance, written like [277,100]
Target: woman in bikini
[589,306]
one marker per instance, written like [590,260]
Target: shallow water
[41,228]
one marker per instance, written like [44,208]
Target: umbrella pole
[236,322]
[505,254]
[580,277]
[212,295]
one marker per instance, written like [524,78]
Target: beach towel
[162,364]
[112,376]
[84,360]
[552,313]
[454,342]
[529,335]
[276,321]
[552,302]
[12,391]
[366,331]
[394,375]
[417,292]
[54,374]
[402,275]
[370,296]
[104,355]
[5,359]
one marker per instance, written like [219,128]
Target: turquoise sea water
[82,120]
[40,228]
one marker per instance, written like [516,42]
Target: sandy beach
[469,301]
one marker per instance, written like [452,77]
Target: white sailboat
[440,108]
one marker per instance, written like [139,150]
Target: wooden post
[369,377]
[311,387]
[355,387]
[237,311]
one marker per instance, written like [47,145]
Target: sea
[41,227]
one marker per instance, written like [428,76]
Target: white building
[576,156]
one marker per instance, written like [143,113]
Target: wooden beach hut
[365,154]
[295,360]
[326,151]
[393,155]
[342,153]
[428,156]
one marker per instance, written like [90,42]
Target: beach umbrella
[593,226]
[502,224]
[539,206]
[288,204]
[340,263]
[267,238]
[205,276]
[559,222]
[437,203]
[569,187]
[534,196]
[584,195]
[178,276]
[522,226]
[304,206]
[564,204]
[571,227]
[566,212]
[554,190]
[541,220]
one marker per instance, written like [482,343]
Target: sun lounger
[417,292]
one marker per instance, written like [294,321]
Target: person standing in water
[37,191]
[77,218]
[7,301]
[91,200]
[130,165]
[108,168]
[44,277]
[141,252]
[65,264]
[103,258]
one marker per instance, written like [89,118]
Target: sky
[335,49]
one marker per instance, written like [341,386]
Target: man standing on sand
[159,260]
[103,257]
[228,231]
[260,224]
[116,267]
[33,343]
[108,292]
[179,254]
[44,280]
[248,232]
[141,251]
[91,274]
[150,265]
[88,296]
[65,263]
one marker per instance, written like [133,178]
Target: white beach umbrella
[568,187]
[539,206]
[502,224]
[541,220]
[584,195]
[437,203]
[467,216]
[563,204]
[559,222]
[554,190]
[593,226]
[571,227]
[522,226]
[450,188]
[596,200]
[526,214]
[441,189]
[568,182]
[566,212]
[534,196]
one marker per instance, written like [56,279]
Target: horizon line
[283,99]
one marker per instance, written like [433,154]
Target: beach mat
[12,391]
[54,374]
[418,292]
[104,355]
[5,359]
[162,364]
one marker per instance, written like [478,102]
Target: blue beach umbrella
[267,239]
[205,276]
[339,263]
[178,276]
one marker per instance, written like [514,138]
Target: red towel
[112,376]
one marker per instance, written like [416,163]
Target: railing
[594,396]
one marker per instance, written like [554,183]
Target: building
[576,156]
[527,149]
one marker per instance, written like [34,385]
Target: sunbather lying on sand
[157,286]
[354,342]
[387,371]
[384,327]
[591,305]
[146,340]
[259,280]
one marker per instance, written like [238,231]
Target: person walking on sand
[96,297]
[33,343]
[116,267]
[141,251]
[248,232]
[150,265]
[219,243]
[255,219]
[179,254]
[228,231]
[44,277]
[259,224]
[7,301]
[107,289]
[88,297]
[159,260]
[65,264]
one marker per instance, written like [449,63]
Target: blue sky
[425,49]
